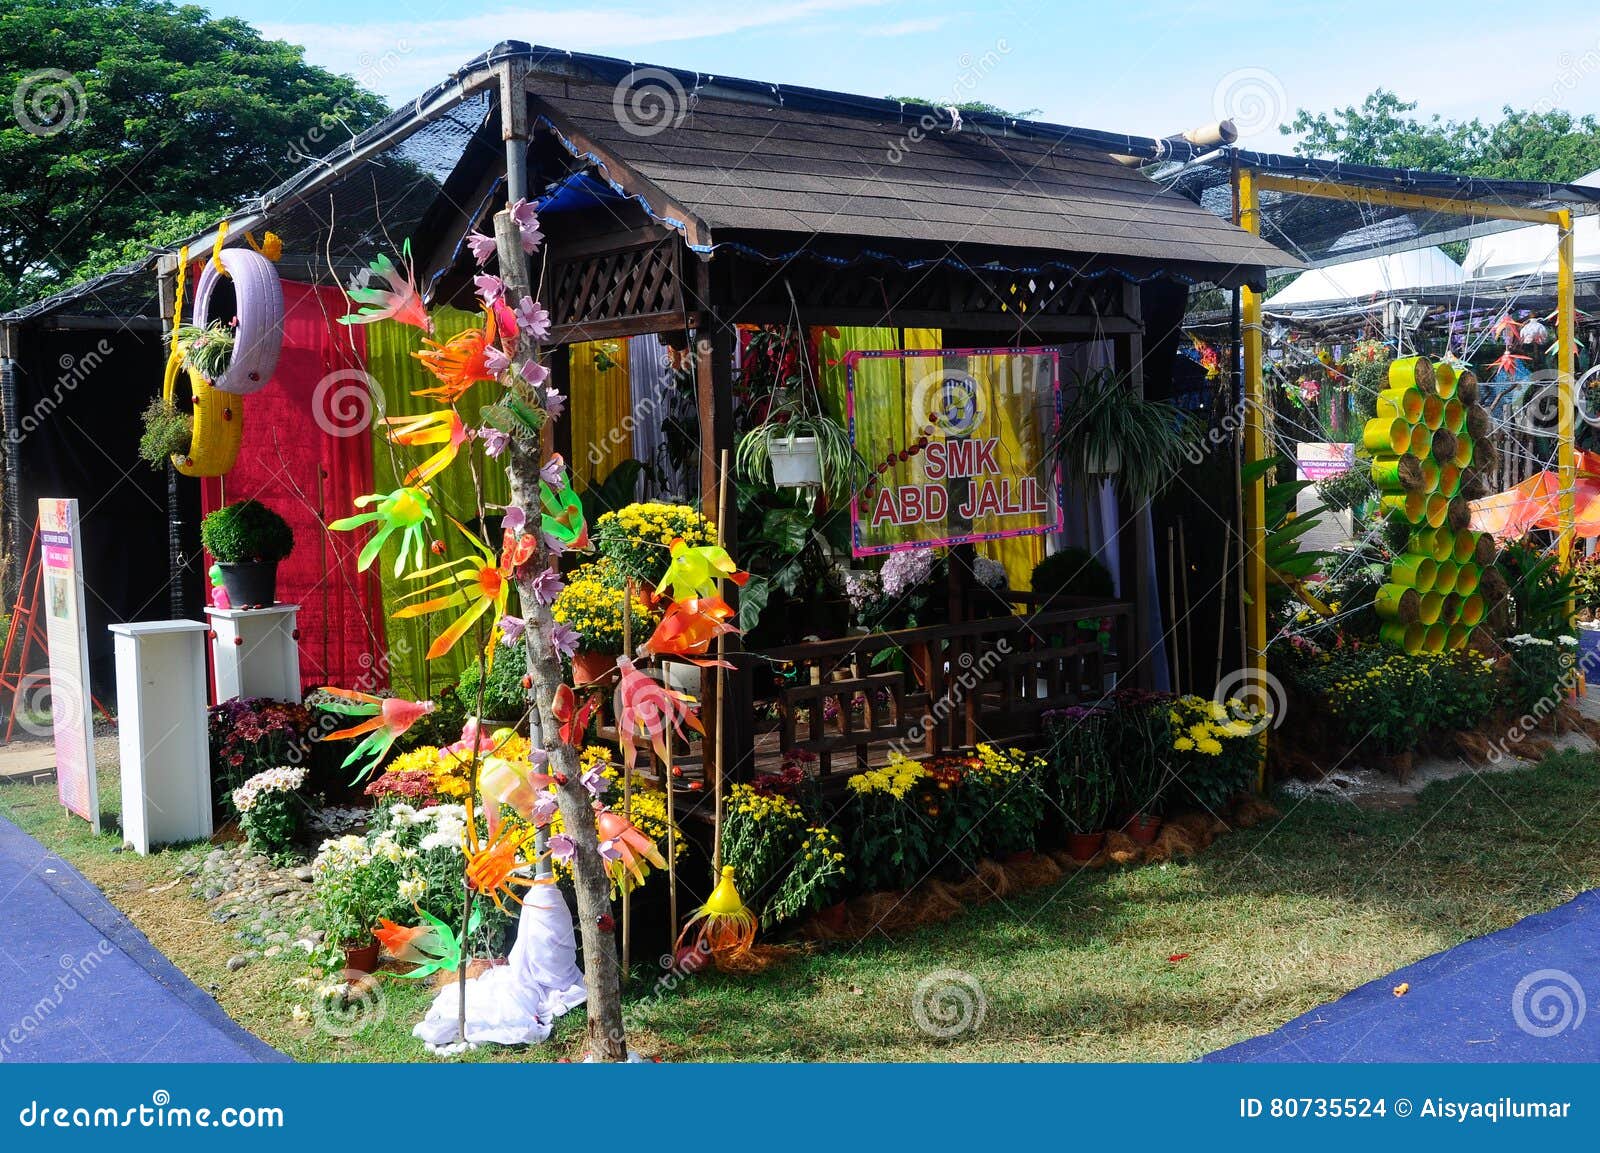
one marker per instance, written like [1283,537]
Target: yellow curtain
[397,374]
[1014,419]
[600,408]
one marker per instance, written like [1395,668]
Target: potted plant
[1109,431]
[270,809]
[1141,743]
[591,605]
[795,444]
[247,539]
[354,887]
[1081,780]
[167,433]
[208,349]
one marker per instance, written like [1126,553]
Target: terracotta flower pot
[1143,827]
[1084,846]
[361,958]
[587,668]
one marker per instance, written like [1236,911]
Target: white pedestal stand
[256,653]
[161,722]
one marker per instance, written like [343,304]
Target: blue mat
[79,983]
[1517,995]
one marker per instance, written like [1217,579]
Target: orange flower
[460,362]
[474,584]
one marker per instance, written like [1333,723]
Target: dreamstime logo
[357,1004]
[373,70]
[1253,98]
[949,1003]
[1253,696]
[972,71]
[1539,411]
[37,706]
[648,101]
[965,675]
[74,971]
[48,102]
[74,371]
[343,402]
[1547,1002]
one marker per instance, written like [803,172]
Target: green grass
[1275,921]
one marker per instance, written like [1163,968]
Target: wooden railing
[929,690]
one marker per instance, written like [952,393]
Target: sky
[1150,68]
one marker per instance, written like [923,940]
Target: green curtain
[397,374]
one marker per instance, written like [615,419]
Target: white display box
[161,722]
[256,653]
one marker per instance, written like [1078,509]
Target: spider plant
[1109,431]
[209,349]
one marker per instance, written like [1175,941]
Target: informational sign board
[961,443]
[66,635]
[1317,461]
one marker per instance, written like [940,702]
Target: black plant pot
[251,584]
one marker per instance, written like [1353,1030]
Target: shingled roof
[739,165]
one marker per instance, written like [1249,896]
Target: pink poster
[71,717]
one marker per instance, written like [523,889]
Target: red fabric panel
[311,470]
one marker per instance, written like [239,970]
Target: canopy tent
[1529,253]
[1375,277]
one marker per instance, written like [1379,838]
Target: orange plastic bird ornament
[688,628]
[441,427]
[460,362]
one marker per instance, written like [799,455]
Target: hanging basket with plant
[798,445]
[1110,432]
[247,540]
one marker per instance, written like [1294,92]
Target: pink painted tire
[258,299]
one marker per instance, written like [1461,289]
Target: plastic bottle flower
[399,302]
[624,847]
[723,926]
[387,720]
[405,510]
[694,571]
[430,947]
[475,583]
[442,427]
[645,708]
[459,362]
[492,865]
[688,627]
[562,513]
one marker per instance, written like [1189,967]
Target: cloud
[907,27]
[404,57]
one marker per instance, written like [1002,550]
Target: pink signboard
[961,443]
[66,634]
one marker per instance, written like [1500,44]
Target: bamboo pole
[1188,605]
[1253,551]
[627,786]
[672,832]
[719,679]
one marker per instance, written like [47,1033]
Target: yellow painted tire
[218,425]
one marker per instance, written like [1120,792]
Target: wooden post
[1253,550]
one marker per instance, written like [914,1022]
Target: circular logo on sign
[950,400]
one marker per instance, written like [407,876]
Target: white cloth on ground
[515,1003]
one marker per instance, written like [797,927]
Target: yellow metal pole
[1566,336]
[1255,448]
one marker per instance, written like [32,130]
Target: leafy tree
[1521,145]
[127,115]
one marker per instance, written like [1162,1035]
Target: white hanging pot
[258,302]
[683,677]
[796,462]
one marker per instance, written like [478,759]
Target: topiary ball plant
[1072,572]
[246,531]
[248,540]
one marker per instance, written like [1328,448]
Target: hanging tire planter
[218,425]
[258,303]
